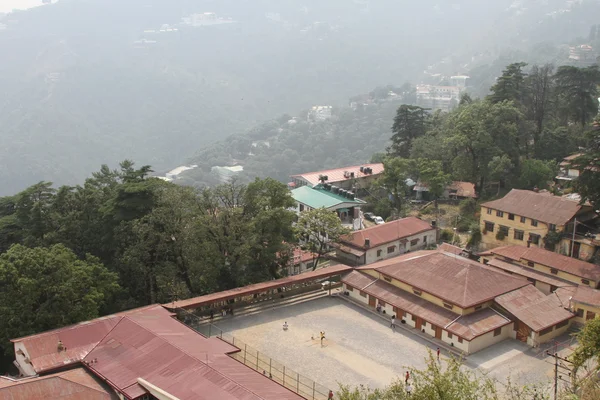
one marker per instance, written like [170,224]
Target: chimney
[367,242]
[536,189]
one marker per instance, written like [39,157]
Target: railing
[260,362]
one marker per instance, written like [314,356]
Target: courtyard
[361,348]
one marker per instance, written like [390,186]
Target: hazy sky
[8,5]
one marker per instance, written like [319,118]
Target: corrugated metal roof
[550,259]
[528,272]
[259,287]
[478,323]
[580,294]
[391,231]
[337,174]
[543,207]
[455,279]
[534,308]
[164,352]
[76,384]
[449,248]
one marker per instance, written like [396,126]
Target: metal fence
[260,362]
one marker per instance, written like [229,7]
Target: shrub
[446,235]
[467,207]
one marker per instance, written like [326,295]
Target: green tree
[510,85]
[588,349]
[410,123]
[316,229]
[588,183]
[431,174]
[577,89]
[536,173]
[393,180]
[45,288]
[538,104]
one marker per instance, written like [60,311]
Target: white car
[378,220]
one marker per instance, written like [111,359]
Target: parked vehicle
[369,216]
[378,220]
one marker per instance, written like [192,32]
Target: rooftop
[534,308]
[337,174]
[455,279]
[386,233]
[74,384]
[543,207]
[581,294]
[317,198]
[550,259]
[528,272]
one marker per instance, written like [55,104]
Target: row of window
[392,249]
[518,234]
[589,314]
[511,217]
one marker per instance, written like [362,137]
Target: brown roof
[534,308]
[78,339]
[463,189]
[164,352]
[580,294]
[337,174]
[478,323]
[550,259]
[386,233]
[75,384]
[397,297]
[455,279]
[450,248]
[543,207]
[259,287]
[529,273]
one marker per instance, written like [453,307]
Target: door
[418,323]
[438,332]
[523,331]
[576,248]
[372,301]
[399,312]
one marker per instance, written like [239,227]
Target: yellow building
[454,299]
[582,301]
[528,218]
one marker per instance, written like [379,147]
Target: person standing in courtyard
[408,389]
[438,354]
[406,377]
[393,324]
[322,337]
[330,396]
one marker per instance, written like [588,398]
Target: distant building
[525,218]
[349,178]
[456,190]
[568,172]
[434,97]
[300,261]
[386,241]
[224,174]
[582,54]
[459,81]
[174,173]
[319,113]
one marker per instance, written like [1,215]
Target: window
[479,307]
[424,239]
[535,239]
[489,211]
[301,207]
[585,281]
[414,242]
[349,288]
[378,253]
[504,230]
[449,335]
[489,226]
[363,294]
[522,220]
[579,313]
[448,306]
[534,222]
[552,227]
[590,315]
[391,249]
[554,271]
[511,217]
[460,339]
[561,324]
[497,331]
[499,213]
[387,278]
[417,292]
[530,264]
[546,331]
[519,234]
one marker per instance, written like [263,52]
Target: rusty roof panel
[391,231]
[478,323]
[528,272]
[258,287]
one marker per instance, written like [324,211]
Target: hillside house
[352,178]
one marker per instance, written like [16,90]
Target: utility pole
[573,240]
[557,365]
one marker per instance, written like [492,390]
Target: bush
[446,235]
[476,236]
[467,207]
[464,225]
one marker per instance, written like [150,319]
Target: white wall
[400,248]
[483,341]
[26,368]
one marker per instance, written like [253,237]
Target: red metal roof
[456,279]
[478,323]
[450,248]
[159,349]
[391,231]
[337,174]
[543,207]
[258,287]
[528,273]
[75,384]
[580,294]
[550,259]
[534,308]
